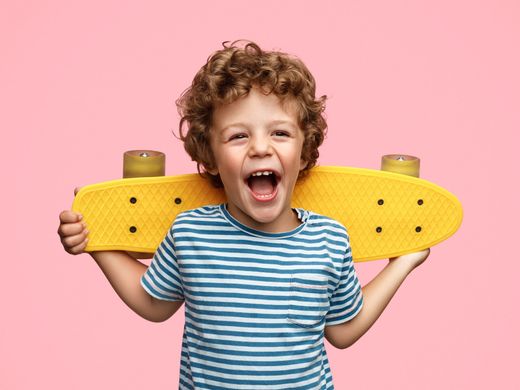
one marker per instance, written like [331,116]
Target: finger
[72,241]
[76,190]
[78,249]
[71,229]
[69,216]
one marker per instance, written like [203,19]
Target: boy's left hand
[413,260]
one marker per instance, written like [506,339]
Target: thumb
[76,190]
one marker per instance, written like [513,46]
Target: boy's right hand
[72,231]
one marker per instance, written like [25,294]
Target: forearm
[376,296]
[124,275]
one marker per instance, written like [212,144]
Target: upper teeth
[262,173]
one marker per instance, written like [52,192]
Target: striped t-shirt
[256,303]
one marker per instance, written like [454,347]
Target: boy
[262,283]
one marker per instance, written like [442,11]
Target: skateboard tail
[386,214]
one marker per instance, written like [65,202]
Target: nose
[260,146]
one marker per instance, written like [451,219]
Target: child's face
[257,134]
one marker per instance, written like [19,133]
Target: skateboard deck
[386,214]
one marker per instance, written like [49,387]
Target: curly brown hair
[229,74]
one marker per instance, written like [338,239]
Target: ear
[303,164]
[213,171]
[211,167]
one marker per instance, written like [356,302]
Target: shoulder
[210,211]
[322,221]
[209,216]
[328,226]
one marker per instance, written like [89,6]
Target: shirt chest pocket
[308,301]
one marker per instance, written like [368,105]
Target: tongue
[262,185]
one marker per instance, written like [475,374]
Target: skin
[122,270]
[253,133]
[256,133]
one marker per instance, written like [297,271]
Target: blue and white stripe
[256,303]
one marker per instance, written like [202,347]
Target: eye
[237,136]
[281,133]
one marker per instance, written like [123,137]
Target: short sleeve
[162,278]
[347,298]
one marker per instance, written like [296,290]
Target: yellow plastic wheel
[401,163]
[143,163]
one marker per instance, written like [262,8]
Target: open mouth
[263,184]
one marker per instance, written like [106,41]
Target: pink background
[81,83]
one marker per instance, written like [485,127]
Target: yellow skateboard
[387,214]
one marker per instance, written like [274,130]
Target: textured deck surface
[386,214]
